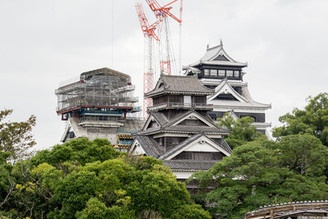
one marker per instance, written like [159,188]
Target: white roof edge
[212,53]
[197,139]
[233,92]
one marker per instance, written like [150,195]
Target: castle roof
[166,126]
[222,144]
[149,145]
[243,100]
[169,84]
[216,56]
[151,148]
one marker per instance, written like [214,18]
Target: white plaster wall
[205,147]
[182,175]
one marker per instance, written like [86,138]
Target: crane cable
[112,33]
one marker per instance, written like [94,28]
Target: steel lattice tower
[163,38]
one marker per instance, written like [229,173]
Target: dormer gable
[160,85]
[224,91]
[136,149]
[221,57]
[193,116]
[151,122]
[200,145]
[219,54]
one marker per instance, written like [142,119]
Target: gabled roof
[180,146]
[172,127]
[217,56]
[188,114]
[160,118]
[225,87]
[222,147]
[169,84]
[244,100]
[149,145]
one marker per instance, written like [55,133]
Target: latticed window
[229,73]
[221,73]
[213,72]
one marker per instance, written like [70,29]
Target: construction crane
[149,37]
[163,38]
[166,54]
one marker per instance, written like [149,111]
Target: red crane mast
[149,35]
[148,30]
[164,11]
[165,53]
[161,13]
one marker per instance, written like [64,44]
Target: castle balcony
[179,105]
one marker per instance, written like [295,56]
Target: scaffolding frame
[101,92]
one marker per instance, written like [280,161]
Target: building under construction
[100,105]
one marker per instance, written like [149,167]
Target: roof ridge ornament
[208,46]
[221,44]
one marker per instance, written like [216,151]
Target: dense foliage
[89,179]
[256,174]
[241,130]
[261,172]
[312,120]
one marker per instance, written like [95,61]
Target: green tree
[97,209]
[312,120]
[241,130]
[89,179]
[193,211]
[303,154]
[7,184]
[253,176]
[15,137]
[79,150]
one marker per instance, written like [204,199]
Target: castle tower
[98,105]
[179,130]
[218,71]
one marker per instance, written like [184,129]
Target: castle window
[229,73]
[206,72]
[236,74]
[187,100]
[214,72]
[221,73]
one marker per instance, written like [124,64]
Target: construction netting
[102,87]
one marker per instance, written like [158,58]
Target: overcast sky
[44,42]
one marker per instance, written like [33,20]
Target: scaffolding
[100,104]
[98,93]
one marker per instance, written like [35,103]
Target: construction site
[100,105]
